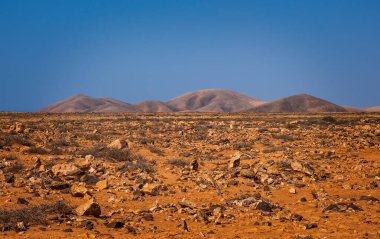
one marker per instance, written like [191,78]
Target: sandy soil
[224,175]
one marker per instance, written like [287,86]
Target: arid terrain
[189,175]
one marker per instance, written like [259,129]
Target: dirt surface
[189,175]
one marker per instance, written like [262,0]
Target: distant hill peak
[301,103]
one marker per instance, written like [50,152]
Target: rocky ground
[189,175]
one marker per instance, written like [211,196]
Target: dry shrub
[177,162]
[35,215]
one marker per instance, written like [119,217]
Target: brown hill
[298,103]
[373,109]
[353,109]
[213,100]
[82,103]
[153,106]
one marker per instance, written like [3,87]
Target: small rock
[194,165]
[89,225]
[247,173]
[89,179]
[347,186]
[78,190]
[101,185]
[10,178]
[263,206]
[22,201]
[19,127]
[234,161]
[58,185]
[369,198]
[115,224]
[65,169]
[292,191]
[118,144]
[311,225]
[90,208]
[20,226]
[152,189]
[186,203]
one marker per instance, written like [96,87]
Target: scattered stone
[152,189]
[78,190]
[234,161]
[131,230]
[58,185]
[89,225]
[369,198]
[342,207]
[292,191]
[247,173]
[186,203]
[311,225]
[115,224]
[89,208]
[373,185]
[185,227]
[65,169]
[22,201]
[89,179]
[264,206]
[19,127]
[118,144]
[10,178]
[194,165]
[101,185]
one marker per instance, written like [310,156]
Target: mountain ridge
[205,100]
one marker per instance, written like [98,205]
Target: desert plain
[189,175]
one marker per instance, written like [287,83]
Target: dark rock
[369,198]
[296,217]
[89,225]
[311,225]
[342,207]
[263,206]
[10,178]
[115,224]
[56,185]
[90,208]
[22,201]
[194,165]
[89,179]
[148,217]
[67,230]
[373,185]
[131,230]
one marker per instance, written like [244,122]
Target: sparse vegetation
[35,215]
[177,162]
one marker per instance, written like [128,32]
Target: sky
[136,50]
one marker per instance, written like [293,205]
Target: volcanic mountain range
[212,100]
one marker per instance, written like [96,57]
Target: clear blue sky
[139,50]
